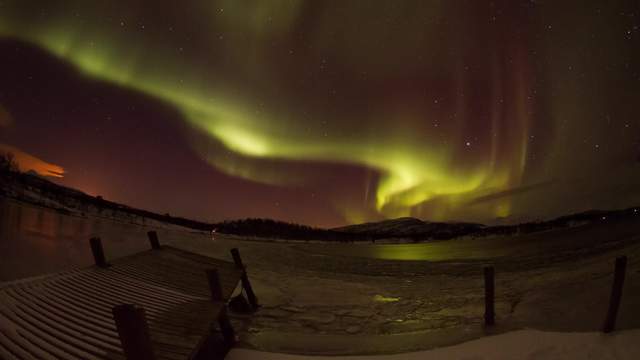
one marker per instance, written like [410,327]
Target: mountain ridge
[39,191]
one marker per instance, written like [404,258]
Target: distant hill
[282,230]
[408,227]
[419,230]
[33,189]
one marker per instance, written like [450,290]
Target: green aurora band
[414,166]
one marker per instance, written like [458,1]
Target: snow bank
[522,344]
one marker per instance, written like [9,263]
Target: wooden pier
[163,303]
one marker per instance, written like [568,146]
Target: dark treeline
[282,230]
[69,198]
[8,165]
[72,198]
[23,187]
[430,231]
[582,218]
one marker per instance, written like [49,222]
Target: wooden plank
[152,313]
[63,333]
[15,350]
[198,258]
[64,347]
[136,283]
[169,256]
[68,315]
[28,337]
[4,352]
[92,334]
[115,295]
[21,344]
[84,316]
[146,273]
[169,271]
[150,296]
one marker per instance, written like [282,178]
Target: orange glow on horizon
[27,162]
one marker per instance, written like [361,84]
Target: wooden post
[214,285]
[228,334]
[246,284]
[235,253]
[133,332]
[153,240]
[616,294]
[98,252]
[489,313]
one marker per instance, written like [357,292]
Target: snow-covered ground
[515,345]
[352,299]
[346,299]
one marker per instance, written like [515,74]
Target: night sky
[328,112]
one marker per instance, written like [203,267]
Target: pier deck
[69,315]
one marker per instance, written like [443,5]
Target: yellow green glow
[414,169]
[385,299]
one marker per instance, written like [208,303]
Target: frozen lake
[368,298]
[36,240]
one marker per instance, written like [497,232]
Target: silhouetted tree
[8,163]
[281,230]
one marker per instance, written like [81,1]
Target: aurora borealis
[332,112]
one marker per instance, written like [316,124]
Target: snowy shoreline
[521,344]
[337,293]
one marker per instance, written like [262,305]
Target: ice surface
[516,345]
